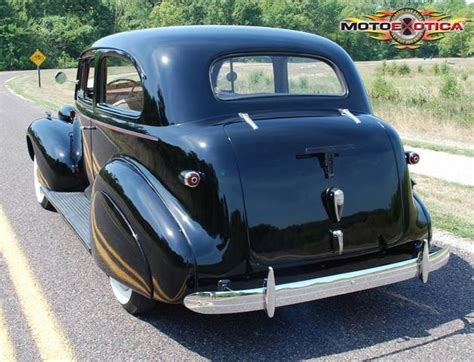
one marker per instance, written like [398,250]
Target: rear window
[267,75]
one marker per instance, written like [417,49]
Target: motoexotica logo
[406,28]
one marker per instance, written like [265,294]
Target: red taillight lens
[412,158]
[190,178]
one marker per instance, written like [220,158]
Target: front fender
[57,146]
[154,253]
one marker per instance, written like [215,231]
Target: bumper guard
[272,295]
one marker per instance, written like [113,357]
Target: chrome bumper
[271,295]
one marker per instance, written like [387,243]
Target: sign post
[39,76]
[38,58]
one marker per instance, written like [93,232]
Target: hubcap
[121,292]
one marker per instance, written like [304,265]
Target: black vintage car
[231,169]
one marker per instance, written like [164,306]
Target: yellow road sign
[37,57]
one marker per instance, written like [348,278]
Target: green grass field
[51,95]
[450,204]
[432,105]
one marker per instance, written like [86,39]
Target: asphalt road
[408,320]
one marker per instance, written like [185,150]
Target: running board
[75,208]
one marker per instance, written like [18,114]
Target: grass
[427,101]
[439,147]
[450,204]
[51,95]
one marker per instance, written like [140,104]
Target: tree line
[63,28]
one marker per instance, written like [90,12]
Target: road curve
[404,321]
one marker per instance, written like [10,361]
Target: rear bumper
[272,295]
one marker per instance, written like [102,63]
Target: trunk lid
[285,168]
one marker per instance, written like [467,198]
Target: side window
[86,90]
[123,87]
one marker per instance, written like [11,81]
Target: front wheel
[133,302]
[40,197]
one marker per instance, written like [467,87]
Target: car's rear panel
[284,182]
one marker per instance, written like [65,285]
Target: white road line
[7,351]
[46,331]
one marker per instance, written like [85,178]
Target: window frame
[83,75]
[131,115]
[228,56]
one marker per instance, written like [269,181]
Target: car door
[118,108]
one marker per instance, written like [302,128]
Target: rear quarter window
[123,87]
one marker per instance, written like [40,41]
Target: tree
[15,38]
[457,44]
[246,12]
[129,14]
[167,13]
[288,14]
[63,38]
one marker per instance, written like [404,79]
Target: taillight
[412,158]
[190,178]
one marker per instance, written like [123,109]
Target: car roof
[176,65]
[215,36]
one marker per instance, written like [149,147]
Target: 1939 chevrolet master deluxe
[231,169]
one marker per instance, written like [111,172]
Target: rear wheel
[133,302]
[40,197]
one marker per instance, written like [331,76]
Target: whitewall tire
[40,197]
[133,302]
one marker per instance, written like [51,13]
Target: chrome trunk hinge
[246,118]
[345,112]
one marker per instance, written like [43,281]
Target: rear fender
[416,217]
[420,226]
[162,256]
[115,246]
[57,147]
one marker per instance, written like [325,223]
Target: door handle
[88,127]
